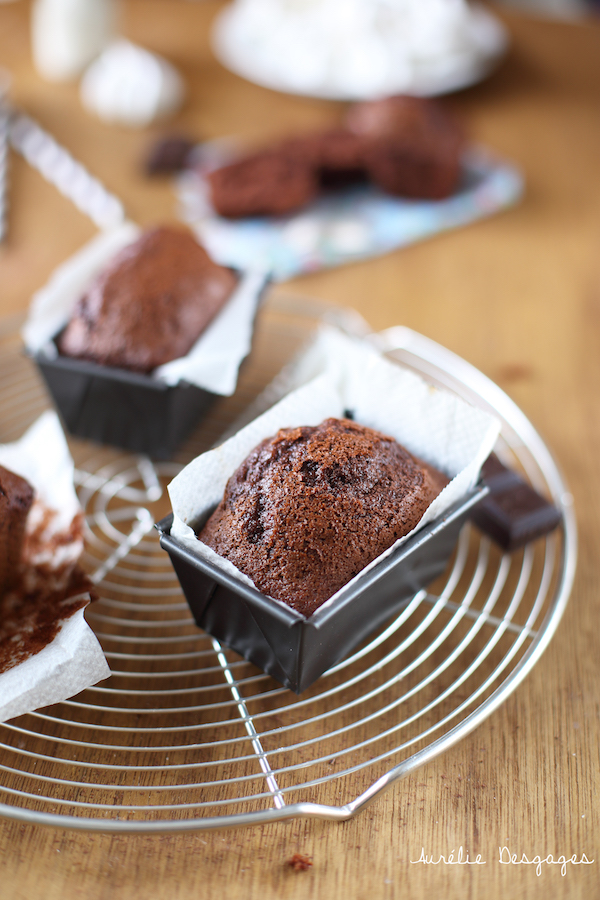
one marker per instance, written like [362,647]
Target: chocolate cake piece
[16,497]
[513,513]
[337,156]
[418,168]
[270,183]
[413,147]
[150,304]
[310,507]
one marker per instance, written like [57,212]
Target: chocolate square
[513,513]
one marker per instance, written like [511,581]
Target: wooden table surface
[517,295]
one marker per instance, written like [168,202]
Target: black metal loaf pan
[114,406]
[282,642]
[129,410]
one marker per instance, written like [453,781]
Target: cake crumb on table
[299,862]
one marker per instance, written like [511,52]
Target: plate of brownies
[395,171]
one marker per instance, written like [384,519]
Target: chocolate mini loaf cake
[310,507]
[16,497]
[149,305]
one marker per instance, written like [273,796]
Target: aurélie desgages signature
[505,858]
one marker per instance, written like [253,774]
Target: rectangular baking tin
[281,641]
[127,409]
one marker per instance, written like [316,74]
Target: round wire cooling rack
[187,735]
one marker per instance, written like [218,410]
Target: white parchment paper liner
[213,361]
[73,660]
[346,374]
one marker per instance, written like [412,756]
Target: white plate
[244,57]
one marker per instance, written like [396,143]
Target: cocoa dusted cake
[16,497]
[310,507]
[150,304]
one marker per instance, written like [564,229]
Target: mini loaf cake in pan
[149,305]
[314,523]
[138,332]
[310,507]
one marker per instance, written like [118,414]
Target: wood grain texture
[519,297]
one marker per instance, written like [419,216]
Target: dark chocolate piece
[169,155]
[512,514]
[496,476]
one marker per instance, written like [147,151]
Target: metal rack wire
[185,734]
